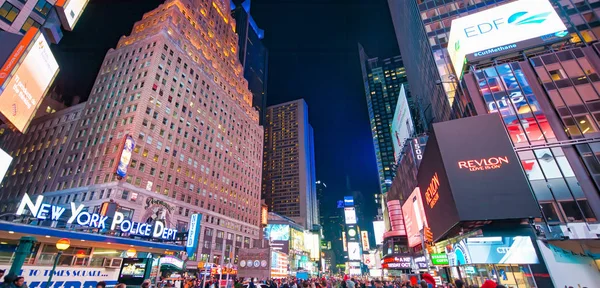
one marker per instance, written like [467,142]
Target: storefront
[98,245]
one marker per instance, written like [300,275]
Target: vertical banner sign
[125,156]
[364,237]
[193,234]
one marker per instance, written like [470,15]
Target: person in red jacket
[429,279]
[489,284]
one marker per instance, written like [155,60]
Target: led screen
[133,271]
[125,157]
[5,160]
[378,230]
[474,177]
[350,215]
[402,125]
[22,94]
[502,29]
[414,217]
[492,250]
[354,251]
[69,12]
[278,232]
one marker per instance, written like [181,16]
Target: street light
[62,245]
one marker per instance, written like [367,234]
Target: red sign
[432,195]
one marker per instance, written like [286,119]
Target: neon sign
[483,164]
[45,211]
[431,194]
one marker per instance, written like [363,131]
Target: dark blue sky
[313,55]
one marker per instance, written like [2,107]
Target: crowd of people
[427,281]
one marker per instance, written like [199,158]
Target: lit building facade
[174,88]
[382,79]
[289,181]
[253,55]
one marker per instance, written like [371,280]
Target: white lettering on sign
[417,147]
[45,211]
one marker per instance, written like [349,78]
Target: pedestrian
[489,284]
[459,283]
[101,284]
[8,280]
[500,286]
[146,284]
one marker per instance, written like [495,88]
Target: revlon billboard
[470,172]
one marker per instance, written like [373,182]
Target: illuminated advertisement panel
[354,251]
[396,218]
[414,217]
[297,239]
[69,12]
[278,232]
[348,201]
[28,80]
[125,157]
[364,239]
[402,125]
[474,177]
[503,29]
[350,215]
[492,250]
[378,230]
[5,160]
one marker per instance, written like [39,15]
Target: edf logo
[519,18]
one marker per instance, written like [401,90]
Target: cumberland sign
[83,218]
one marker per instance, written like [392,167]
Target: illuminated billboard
[5,160]
[364,239]
[25,78]
[348,201]
[354,251]
[125,157]
[278,232]
[492,250]
[402,124]
[69,12]
[396,218]
[503,29]
[414,217]
[378,230]
[350,215]
[297,239]
[475,177]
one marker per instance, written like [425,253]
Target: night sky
[313,55]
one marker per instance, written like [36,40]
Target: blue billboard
[191,244]
[348,201]
[278,232]
[492,250]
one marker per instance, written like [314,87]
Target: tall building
[544,89]
[253,55]
[289,185]
[383,79]
[321,188]
[168,131]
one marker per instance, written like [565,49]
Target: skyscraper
[289,185]
[168,124]
[422,30]
[383,79]
[253,55]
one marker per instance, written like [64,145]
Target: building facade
[253,55]
[289,181]
[382,79]
[168,122]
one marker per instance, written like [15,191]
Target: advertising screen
[474,177]
[125,157]
[414,217]
[503,29]
[191,244]
[133,271]
[348,201]
[69,12]
[492,250]
[5,160]
[278,232]
[439,259]
[396,218]
[402,125]
[28,81]
[378,230]
[354,251]
[364,239]
[297,239]
[397,262]
[350,215]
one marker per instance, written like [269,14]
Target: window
[557,74]
[42,7]
[28,24]
[8,12]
